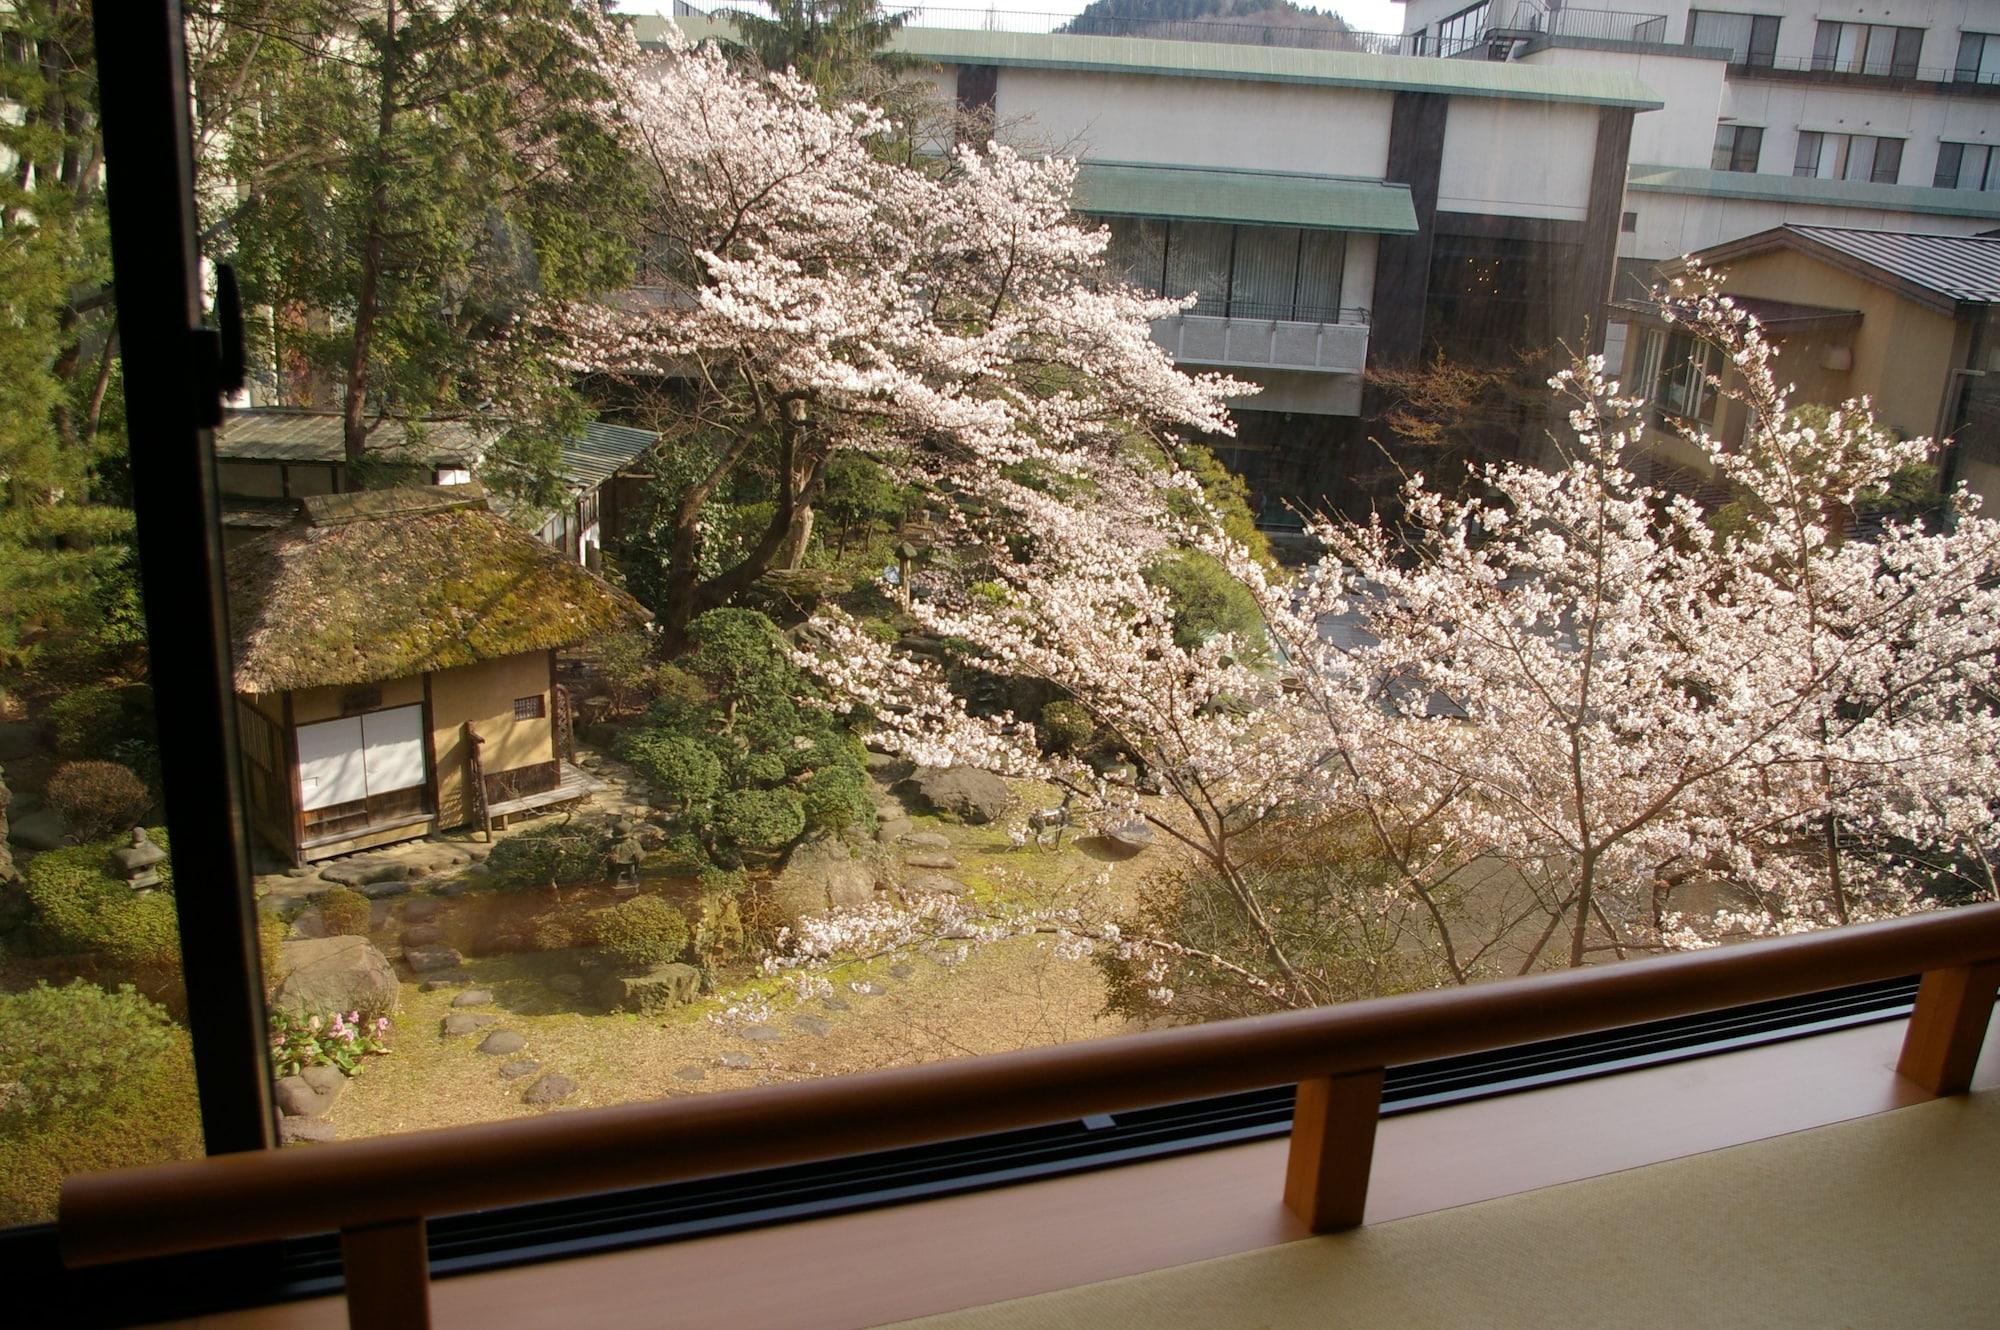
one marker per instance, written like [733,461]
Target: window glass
[1978,58]
[1138,251]
[1750,39]
[1860,48]
[1737,147]
[1462,31]
[1265,280]
[1198,262]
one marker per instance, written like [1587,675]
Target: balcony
[1544,25]
[1252,343]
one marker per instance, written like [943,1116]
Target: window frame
[1831,52]
[1746,144]
[173,366]
[1759,48]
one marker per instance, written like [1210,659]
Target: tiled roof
[287,434]
[1961,268]
[602,452]
[1269,197]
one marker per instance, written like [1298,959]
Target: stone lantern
[138,863]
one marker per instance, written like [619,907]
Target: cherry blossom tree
[813,299]
[1566,718]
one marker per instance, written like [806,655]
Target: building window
[1865,48]
[1752,39]
[1736,147]
[1287,273]
[454,475]
[1848,157]
[1462,31]
[1675,367]
[1967,166]
[529,708]
[1978,58]
[1629,223]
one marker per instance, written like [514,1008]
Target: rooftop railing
[1602,25]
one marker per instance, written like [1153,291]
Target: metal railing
[1603,25]
[1832,67]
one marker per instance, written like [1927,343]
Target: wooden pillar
[388,1276]
[1333,1148]
[1948,1026]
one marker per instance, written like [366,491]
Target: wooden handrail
[393,1182]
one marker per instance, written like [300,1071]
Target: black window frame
[1744,146]
[177,367]
[1760,51]
[1905,52]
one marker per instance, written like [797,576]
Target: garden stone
[762,1034]
[467,1023]
[902,970]
[304,1131]
[891,827]
[518,1068]
[298,1099]
[309,923]
[375,891]
[659,989]
[329,1081]
[929,859]
[550,1089]
[819,876]
[926,840]
[868,988]
[421,910]
[441,983]
[967,793]
[334,974]
[732,1058]
[451,889]
[817,1026]
[502,1042]
[935,884]
[364,871]
[426,959]
[472,997]
[835,1004]
[422,935]
[690,1074]
[42,829]
[302,871]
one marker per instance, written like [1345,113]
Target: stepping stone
[690,1073]
[891,826]
[930,859]
[425,959]
[440,984]
[732,1058]
[935,884]
[926,840]
[421,910]
[550,1089]
[902,969]
[515,1070]
[472,997]
[869,988]
[817,1026]
[363,871]
[376,891]
[298,1098]
[502,1042]
[835,1004]
[467,1023]
[422,935]
[304,1131]
[763,1034]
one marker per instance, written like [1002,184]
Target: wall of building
[1670,225]
[1517,159]
[484,694]
[1230,123]
[1682,133]
[314,704]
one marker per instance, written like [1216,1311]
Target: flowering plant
[298,1042]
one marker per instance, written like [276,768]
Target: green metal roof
[1274,198]
[1258,64]
[1810,189]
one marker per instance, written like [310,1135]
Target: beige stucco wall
[314,704]
[484,694]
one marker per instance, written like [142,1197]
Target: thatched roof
[386,584]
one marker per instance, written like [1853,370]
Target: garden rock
[518,1068]
[926,840]
[304,1131]
[762,1034]
[462,1023]
[902,970]
[732,1058]
[690,1074]
[935,884]
[309,923]
[387,887]
[297,1098]
[659,989]
[472,997]
[817,1026]
[365,870]
[868,988]
[550,1089]
[502,1042]
[328,1081]
[441,983]
[423,960]
[967,793]
[821,875]
[42,829]
[334,974]
[422,935]
[421,910]
[892,827]
[930,859]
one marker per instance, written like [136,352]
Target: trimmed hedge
[759,820]
[346,912]
[563,852]
[97,799]
[644,931]
[81,907]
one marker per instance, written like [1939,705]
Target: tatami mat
[1887,1221]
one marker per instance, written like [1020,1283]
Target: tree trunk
[1584,904]
[797,537]
[367,301]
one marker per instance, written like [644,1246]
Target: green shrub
[81,907]
[563,852]
[565,929]
[1208,602]
[759,820]
[757,768]
[97,798]
[92,721]
[1067,727]
[680,769]
[741,656]
[346,912]
[836,798]
[644,931]
[89,1080]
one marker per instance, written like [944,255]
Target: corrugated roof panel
[602,452]
[1272,198]
[1962,268]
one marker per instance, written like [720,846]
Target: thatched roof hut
[388,584]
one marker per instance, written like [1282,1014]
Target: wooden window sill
[860,1270]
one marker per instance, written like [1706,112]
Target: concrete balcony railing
[1325,348]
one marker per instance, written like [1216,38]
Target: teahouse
[395,667]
